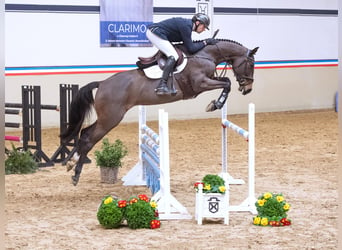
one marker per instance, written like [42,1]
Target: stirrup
[162,89]
[173,91]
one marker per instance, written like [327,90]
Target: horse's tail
[79,108]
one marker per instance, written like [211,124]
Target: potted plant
[212,198]
[109,159]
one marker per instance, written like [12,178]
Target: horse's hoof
[74,180]
[69,166]
[211,106]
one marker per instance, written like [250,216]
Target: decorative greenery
[212,184]
[272,210]
[111,154]
[110,214]
[20,162]
[139,212]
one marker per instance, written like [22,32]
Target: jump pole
[249,203]
[13,138]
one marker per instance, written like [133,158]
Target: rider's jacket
[177,29]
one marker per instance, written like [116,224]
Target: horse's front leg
[218,104]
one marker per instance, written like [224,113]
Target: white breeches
[163,45]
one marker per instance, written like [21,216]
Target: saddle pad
[154,72]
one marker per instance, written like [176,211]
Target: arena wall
[48,43]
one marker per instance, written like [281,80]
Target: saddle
[158,59]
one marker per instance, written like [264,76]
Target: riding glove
[210,41]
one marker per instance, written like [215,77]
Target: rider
[176,29]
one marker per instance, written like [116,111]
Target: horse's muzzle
[246,89]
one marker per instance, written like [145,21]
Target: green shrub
[109,214]
[213,184]
[110,154]
[140,213]
[20,162]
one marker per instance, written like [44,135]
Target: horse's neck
[223,51]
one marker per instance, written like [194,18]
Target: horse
[122,91]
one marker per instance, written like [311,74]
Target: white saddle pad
[154,72]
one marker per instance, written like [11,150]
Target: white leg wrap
[75,157]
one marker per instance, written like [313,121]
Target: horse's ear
[253,51]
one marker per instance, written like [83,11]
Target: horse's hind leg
[73,161]
[89,137]
[80,155]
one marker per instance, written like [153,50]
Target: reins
[227,61]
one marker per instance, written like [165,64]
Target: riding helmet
[202,18]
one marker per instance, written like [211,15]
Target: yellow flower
[261,202]
[207,187]
[108,200]
[256,220]
[222,189]
[153,204]
[287,206]
[264,221]
[280,198]
[267,195]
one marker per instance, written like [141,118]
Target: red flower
[155,224]
[133,200]
[197,183]
[143,197]
[122,203]
[285,222]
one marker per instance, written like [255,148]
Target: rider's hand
[210,41]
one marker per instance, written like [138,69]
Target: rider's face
[200,27]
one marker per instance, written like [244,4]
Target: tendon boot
[162,88]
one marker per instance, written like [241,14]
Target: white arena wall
[296,65]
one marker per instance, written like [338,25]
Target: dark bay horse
[124,90]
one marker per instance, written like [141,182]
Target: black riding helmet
[202,18]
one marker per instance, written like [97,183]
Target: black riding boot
[162,88]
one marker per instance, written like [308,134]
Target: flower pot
[109,175]
[212,205]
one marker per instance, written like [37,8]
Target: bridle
[241,79]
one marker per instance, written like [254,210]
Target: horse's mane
[182,47]
[222,40]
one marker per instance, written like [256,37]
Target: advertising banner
[124,23]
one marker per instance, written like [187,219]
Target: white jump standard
[249,203]
[153,168]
